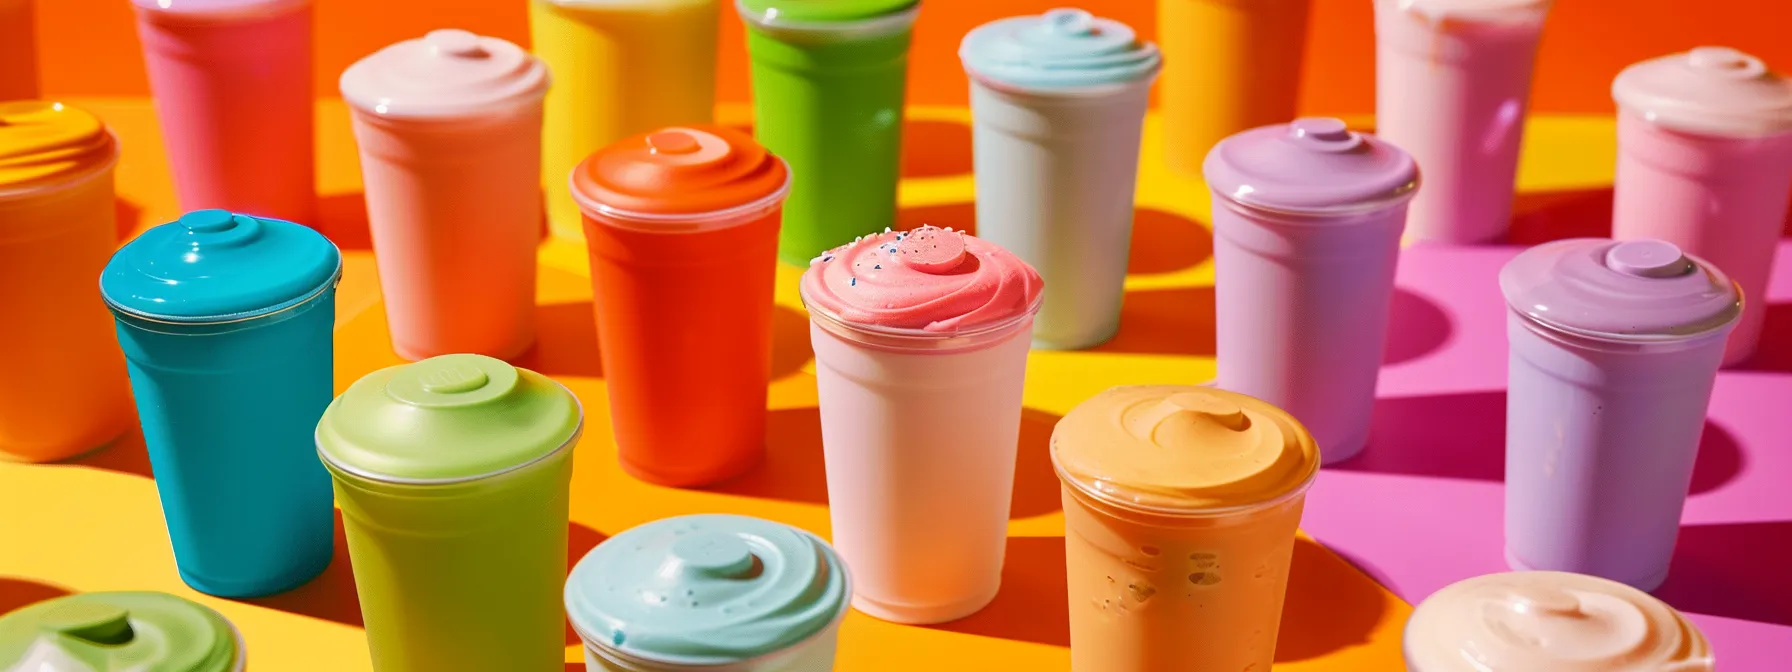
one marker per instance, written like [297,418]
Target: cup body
[920,509]
[426,558]
[829,100]
[619,69]
[1723,199]
[18,50]
[228,411]
[1055,179]
[1600,444]
[684,315]
[1452,92]
[815,654]
[65,392]
[1302,304]
[1229,65]
[262,60]
[1154,592]
[442,192]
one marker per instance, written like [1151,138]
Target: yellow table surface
[95,524]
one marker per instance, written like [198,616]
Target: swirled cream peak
[1183,447]
[928,279]
[1555,621]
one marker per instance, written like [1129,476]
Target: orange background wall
[89,47]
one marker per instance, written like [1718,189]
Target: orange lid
[679,173]
[42,143]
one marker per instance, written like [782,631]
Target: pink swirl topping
[929,279]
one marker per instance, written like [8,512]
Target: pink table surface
[1422,507]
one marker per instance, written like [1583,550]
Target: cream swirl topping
[928,279]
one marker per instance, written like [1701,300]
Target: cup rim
[1086,490]
[325,287]
[657,222]
[891,22]
[14,192]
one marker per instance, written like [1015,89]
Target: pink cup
[1705,163]
[449,128]
[232,84]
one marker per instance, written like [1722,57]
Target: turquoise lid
[706,590]
[1063,48]
[101,632]
[214,266]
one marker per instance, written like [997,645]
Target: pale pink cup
[232,79]
[1705,163]
[1452,83]
[449,128]
[921,342]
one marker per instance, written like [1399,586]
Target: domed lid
[446,73]
[1183,449]
[820,11]
[1709,90]
[706,590]
[1554,621]
[101,632]
[217,9]
[673,173]
[215,266]
[44,143]
[1641,290]
[447,419]
[1064,48]
[1311,166]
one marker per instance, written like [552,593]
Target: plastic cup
[1452,83]
[1059,104]
[1615,347]
[95,632]
[449,128]
[709,593]
[920,358]
[65,391]
[18,50]
[453,477]
[1229,66]
[1705,163]
[1527,621]
[621,67]
[230,76]
[682,225]
[1307,220]
[828,91]
[226,323]
[1181,505]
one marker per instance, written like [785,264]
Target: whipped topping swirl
[932,280]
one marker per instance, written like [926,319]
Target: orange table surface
[95,524]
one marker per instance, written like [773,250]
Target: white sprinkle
[886,229]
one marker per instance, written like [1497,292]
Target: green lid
[446,419]
[821,11]
[136,631]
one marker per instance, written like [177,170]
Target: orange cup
[682,226]
[18,50]
[63,391]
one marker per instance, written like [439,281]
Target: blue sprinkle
[877,267]
[853,283]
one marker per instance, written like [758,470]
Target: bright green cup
[828,89]
[453,476]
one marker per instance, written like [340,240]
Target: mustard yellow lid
[43,143]
[1183,449]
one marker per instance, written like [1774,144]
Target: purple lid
[1638,290]
[1311,166]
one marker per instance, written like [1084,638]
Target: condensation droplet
[1141,592]
[1149,550]
[1204,578]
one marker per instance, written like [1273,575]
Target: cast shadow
[331,596]
[1174,321]
[579,541]
[1328,608]
[1162,241]
[343,219]
[1463,436]
[791,348]
[565,341]
[930,147]
[1733,570]
[1541,217]
[1417,326]
[794,470]
[127,216]
[18,593]
[1774,352]
[127,455]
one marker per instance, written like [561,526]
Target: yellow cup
[1229,66]
[620,68]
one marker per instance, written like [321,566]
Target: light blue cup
[717,593]
[226,321]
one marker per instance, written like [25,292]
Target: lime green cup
[453,474]
[139,631]
[828,90]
